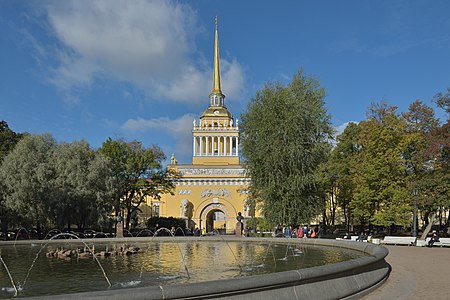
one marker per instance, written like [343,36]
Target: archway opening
[216,220]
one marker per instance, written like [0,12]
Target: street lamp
[415,193]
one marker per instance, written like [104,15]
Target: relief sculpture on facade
[184,192]
[211,172]
[206,193]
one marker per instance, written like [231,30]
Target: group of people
[297,232]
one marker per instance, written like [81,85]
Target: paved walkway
[417,273]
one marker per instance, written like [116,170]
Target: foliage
[380,194]
[443,100]
[49,183]
[260,224]
[81,186]
[28,176]
[379,161]
[137,173]
[336,175]
[8,140]
[284,137]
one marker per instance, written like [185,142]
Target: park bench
[399,240]
[443,242]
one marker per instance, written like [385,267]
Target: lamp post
[415,193]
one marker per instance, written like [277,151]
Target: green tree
[338,172]
[82,183]
[285,135]
[28,176]
[439,151]
[8,140]
[381,196]
[435,183]
[137,173]
[420,125]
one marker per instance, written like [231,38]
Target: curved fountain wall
[346,280]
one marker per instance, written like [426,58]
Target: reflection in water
[161,263]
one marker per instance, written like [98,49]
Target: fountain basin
[350,279]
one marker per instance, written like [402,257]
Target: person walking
[300,232]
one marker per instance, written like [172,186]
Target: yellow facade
[212,190]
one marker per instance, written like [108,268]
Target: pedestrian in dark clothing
[434,239]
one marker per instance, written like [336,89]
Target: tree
[28,176]
[435,180]
[82,183]
[381,196]
[443,100]
[285,134]
[420,125]
[8,140]
[338,172]
[137,173]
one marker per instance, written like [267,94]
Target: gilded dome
[217,111]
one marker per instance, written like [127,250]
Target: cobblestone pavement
[417,273]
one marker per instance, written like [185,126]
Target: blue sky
[143,69]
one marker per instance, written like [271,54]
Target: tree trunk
[333,206]
[428,228]
[128,219]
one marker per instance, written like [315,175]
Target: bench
[443,242]
[399,240]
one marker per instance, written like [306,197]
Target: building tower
[211,191]
[216,135]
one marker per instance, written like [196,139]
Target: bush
[260,224]
[164,222]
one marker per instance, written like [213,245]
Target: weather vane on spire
[217,21]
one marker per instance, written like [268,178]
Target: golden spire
[216,76]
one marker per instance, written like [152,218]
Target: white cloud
[179,129]
[147,43]
[232,79]
[340,128]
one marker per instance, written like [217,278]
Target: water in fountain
[216,232]
[73,236]
[181,229]
[57,231]
[18,232]
[181,252]
[287,251]
[129,232]
[10,277]
[158,266]
[145,230]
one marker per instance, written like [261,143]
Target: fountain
[213,266]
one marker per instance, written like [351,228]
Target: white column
[237,146]
[201,146]
[193,146]
[231,146]
[219,144]
[225,145]
[207,145]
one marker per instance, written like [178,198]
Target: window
[156,210]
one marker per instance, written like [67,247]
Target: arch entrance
[216,220]
[215,217]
